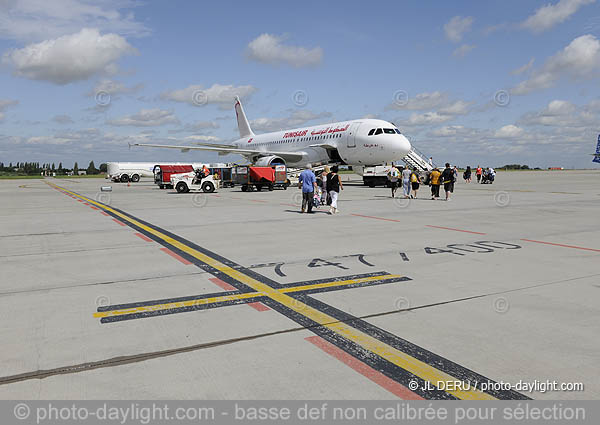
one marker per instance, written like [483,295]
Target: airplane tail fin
[597,154]
[242,121]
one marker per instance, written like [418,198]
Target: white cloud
[197,95]
[268,48]
[460,107]
[524,68]
[4,104]
[549,15]
[69,58]
[457,26]
[422,101]
[579,60]
[63,119]
[463,50]
[445,110]
[509,132]
[427,118]
[564,114]
[37,20]
[296,119]
[201,138]
[113,87]
[146,118]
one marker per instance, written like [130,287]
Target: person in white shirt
[406,182]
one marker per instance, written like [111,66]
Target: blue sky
[468,82]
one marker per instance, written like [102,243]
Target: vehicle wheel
[181,187]
[371,184]
[208,187]
[135,178]
[258,187]
[285,187]
[244,188]
[271,187]
[124,178]
[161,186]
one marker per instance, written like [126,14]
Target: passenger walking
[431,161]
[448,178]
[393,176]
[455,170]
[406,182]
[308,182]
[415,182]
[478,172]
[334,185]
[324,184]
[434,181]
[467,174]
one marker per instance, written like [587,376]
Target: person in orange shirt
[434,181]
[478,172]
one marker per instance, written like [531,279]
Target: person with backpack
[393,176]
[448,178]
[334,185]
[406,182]
[415,182]
[467,174]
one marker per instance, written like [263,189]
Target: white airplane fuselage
[356,142]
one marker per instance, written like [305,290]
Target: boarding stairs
[416,159]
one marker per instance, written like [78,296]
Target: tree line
[36,168]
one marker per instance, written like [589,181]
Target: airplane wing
[288,156]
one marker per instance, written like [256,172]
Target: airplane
[597,154]
[360,143]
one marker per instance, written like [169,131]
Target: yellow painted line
[338,283]
[177,304]
[391,354]
[235,297]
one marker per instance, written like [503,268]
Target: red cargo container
[162,174]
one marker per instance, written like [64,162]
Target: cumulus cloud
[197,95]
[463,50]
[562,113]
[297,118]
[146,118]
[4,104]
[202,125]
[457,27]
[509,132]
[443,109]
[35,20]
[427,118]
[579,60]
[69,58]
[549,15]
[269,48]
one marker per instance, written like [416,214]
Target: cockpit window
[389,131]
[379,131]
[397,131]
[371,132]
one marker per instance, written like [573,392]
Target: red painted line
[79,200]
[258,200]
[118,221]
[367,371]
[258,306]
[456,230]
[176,256]
[144,237]
[94,208]
[105,213]
[85,203]
[564,246]
[377,218]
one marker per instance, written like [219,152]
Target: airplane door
[351,141]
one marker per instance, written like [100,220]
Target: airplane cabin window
[371,132]
[379,131]
[389,131]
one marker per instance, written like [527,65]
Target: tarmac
[142,293]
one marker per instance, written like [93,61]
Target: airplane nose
[403,145]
